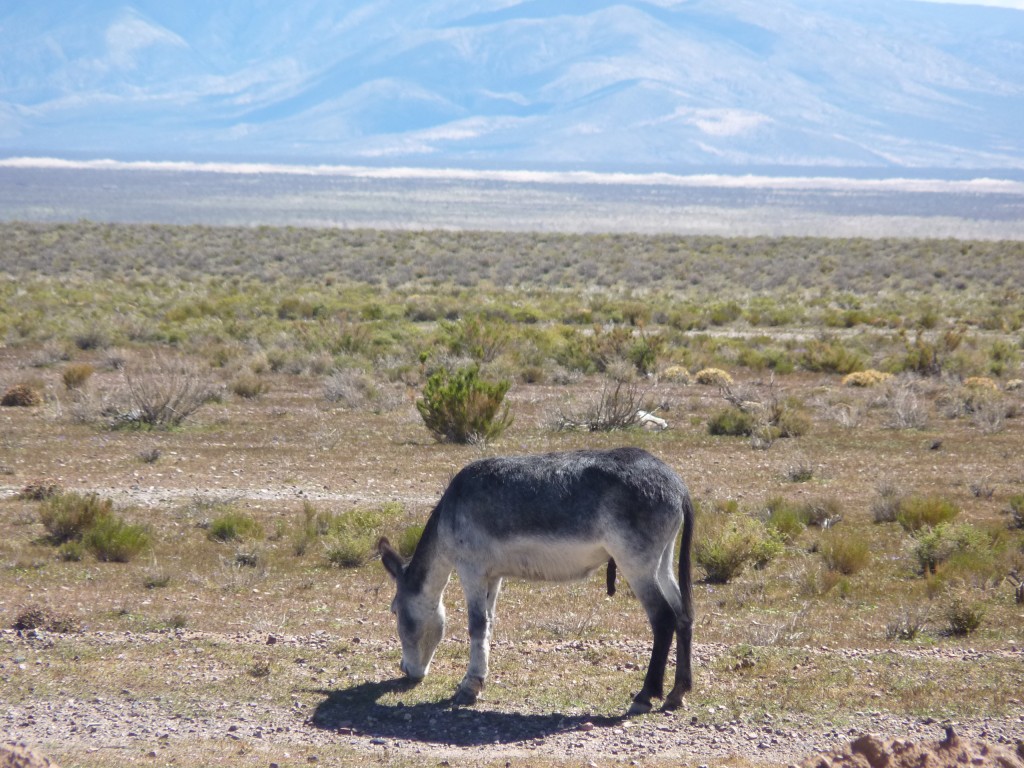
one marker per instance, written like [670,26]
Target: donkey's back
[558,516]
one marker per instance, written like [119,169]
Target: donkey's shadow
[358,710]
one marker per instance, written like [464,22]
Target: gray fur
[551,517]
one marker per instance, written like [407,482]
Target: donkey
[551,517]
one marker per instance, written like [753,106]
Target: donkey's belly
[545,560]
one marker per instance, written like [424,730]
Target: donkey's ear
[393,563]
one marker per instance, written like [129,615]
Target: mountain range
[597,84]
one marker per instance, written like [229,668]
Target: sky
[1015,4]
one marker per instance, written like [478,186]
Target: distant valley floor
[719,206]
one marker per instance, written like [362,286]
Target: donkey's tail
[685,566]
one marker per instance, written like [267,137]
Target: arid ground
[861,540]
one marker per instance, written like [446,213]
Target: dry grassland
[305,367]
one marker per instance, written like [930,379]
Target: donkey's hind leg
[684,675]
[662,616]
[683,627]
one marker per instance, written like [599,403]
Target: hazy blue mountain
[593,83]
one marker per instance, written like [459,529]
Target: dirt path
[355,718]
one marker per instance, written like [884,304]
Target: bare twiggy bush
[908,624]
[760,413]
[51,352]
[982,488]
[615,408]
[886,505]
[349,388]
[165,392]
[800,471]
[907,410]
[1018,587]
[846,415]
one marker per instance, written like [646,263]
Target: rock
[954,751]
[20,756]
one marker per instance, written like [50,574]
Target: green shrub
[726,544]
[844,551]
[732,422]
[786,519]
[68,516]
[964,615]
[354,534]
[787,418]
[928,356]
[936,545]
[476,337]
[315,523]
[71,551]
[829,356]
[460,407]
[916,512]
[350,552]
[113,540]
[233,525]
[409,539]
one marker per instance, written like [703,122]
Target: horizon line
[981,184]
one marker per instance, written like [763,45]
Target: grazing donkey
[553,517]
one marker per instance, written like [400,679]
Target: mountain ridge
[650,84]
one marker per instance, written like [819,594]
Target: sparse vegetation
[233,525]
[344,328]
[845,551]
[726,544]
[964,615]
[916,512]
[112,540]
[68,516]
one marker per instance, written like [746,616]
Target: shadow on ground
[358,710]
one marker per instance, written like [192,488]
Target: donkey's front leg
[480,599]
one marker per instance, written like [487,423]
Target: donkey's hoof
[464,697]
[638,708]
[672,703]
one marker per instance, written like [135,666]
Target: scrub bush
[460,407]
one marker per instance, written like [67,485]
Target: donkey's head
[420,619]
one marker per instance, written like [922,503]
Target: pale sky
[1016,4]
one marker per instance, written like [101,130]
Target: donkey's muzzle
[413,677]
